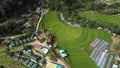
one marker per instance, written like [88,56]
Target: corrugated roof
[34,57]
[35,66]
[27,61]
[30,64]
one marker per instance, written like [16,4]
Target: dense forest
[13,15]
[13,8]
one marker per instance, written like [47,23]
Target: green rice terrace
[109,1]
[104,19]
[73,40]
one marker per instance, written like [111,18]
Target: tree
[10,8]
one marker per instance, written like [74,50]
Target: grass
[4,60]
[8,61]
[16,65]
[104,19]
[110,1]
[73,40]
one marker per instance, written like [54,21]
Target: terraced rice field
[73,40]
[104,19]
[109,1]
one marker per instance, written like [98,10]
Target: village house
[41,48]
[34,58]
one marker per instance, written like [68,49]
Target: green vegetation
[8,61]
[16,65]
[104,19]
[14,8]
[73,40]
[4,60]
[109,1]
